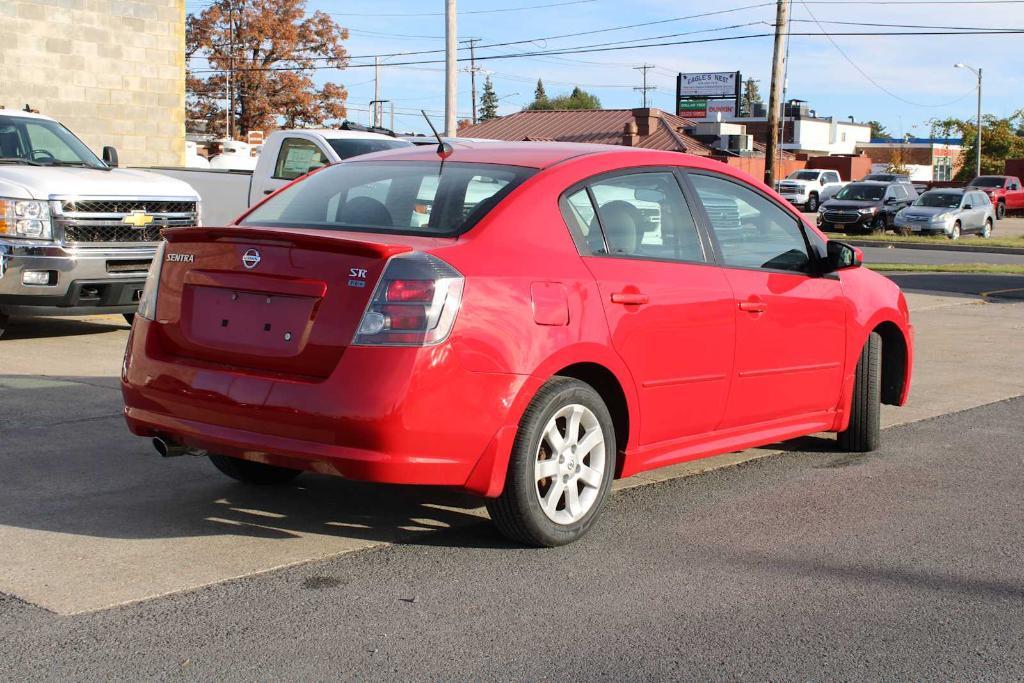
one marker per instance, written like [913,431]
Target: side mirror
[841,256]
[968,205]
[890,200]
[110,156]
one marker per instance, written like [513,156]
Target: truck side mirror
[110,156]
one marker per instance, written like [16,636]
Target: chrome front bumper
[82,280]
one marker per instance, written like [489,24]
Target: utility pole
[774,99]
[977,72]
[376,91]
[231,67]
[472,70]
[451,70]
[645,68]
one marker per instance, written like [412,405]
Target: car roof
[949,190]
[529,154]
[338,133]
[25,114]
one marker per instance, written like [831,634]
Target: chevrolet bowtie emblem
[137,219]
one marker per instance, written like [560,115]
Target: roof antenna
[444,150]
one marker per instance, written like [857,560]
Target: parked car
[1004,191]
[77,234]
[528,345]
[809,187]
[950,211]
[919,186]
[287,154]
[866,206]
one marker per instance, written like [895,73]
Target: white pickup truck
[810,187]
[76,234]
[286,155]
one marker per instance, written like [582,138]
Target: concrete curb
[1017,251]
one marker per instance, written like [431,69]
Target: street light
[976,72]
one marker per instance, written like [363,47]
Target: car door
[296,157]
[669,308]
[1014,196]
[790,323]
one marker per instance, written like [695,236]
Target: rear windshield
[353,147]
[407,197]
[862,193]
[988,181]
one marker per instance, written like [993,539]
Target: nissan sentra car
[522,321]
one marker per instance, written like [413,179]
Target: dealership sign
[714,84]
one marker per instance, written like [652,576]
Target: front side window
[900,194]
[639,215]
[408,197]
[752,231]
[298,157]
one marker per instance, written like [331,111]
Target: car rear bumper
[388,415]
[80,281]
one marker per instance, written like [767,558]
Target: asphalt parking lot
[99,533]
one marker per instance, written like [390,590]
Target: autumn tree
[488,102]
[999,141]
[271,49]
[751,96]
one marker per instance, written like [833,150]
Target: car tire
[863,434]
[955,234]
[129,318]
[986,232]
[250,472]
[878,225]
[904,231]
[1000,211]
[537,510]
[812,203]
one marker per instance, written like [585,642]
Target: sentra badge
[181,258]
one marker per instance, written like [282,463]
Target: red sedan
[523,321]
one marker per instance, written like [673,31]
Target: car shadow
[45,327]
[79,471]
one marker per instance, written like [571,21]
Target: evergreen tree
[488,102]
[577,99]
[878,131]
[539,95]
[751,96]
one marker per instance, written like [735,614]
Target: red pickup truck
[1004,191]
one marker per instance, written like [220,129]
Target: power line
[616,48]
[872,80]
[477,11]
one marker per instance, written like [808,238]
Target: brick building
[113,71]
[928,159]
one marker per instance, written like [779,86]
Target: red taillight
[414,304]
[421,291]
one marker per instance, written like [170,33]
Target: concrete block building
[113,71]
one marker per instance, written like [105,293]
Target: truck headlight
[25,218]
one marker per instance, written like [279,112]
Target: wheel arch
[895,362]
[607,385]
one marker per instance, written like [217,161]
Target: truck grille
[790,188]
[102,220]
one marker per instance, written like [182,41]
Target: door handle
[267,191]
[753,306]
[629,298]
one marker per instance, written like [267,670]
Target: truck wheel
[1000,211]
[863,434]
[251,472]
[129,318]
[561,468]
[812,203]
[4,319]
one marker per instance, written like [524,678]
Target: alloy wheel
[987,230]
[570,464]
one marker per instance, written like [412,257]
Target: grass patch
[997,268]
[966,241]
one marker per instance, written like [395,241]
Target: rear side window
[298,157]
[640,215]
[752,231]
[346,148]
[407,197]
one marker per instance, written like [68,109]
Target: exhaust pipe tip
[167,449]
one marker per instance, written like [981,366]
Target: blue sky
[917,71]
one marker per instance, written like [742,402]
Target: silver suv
[951,211]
